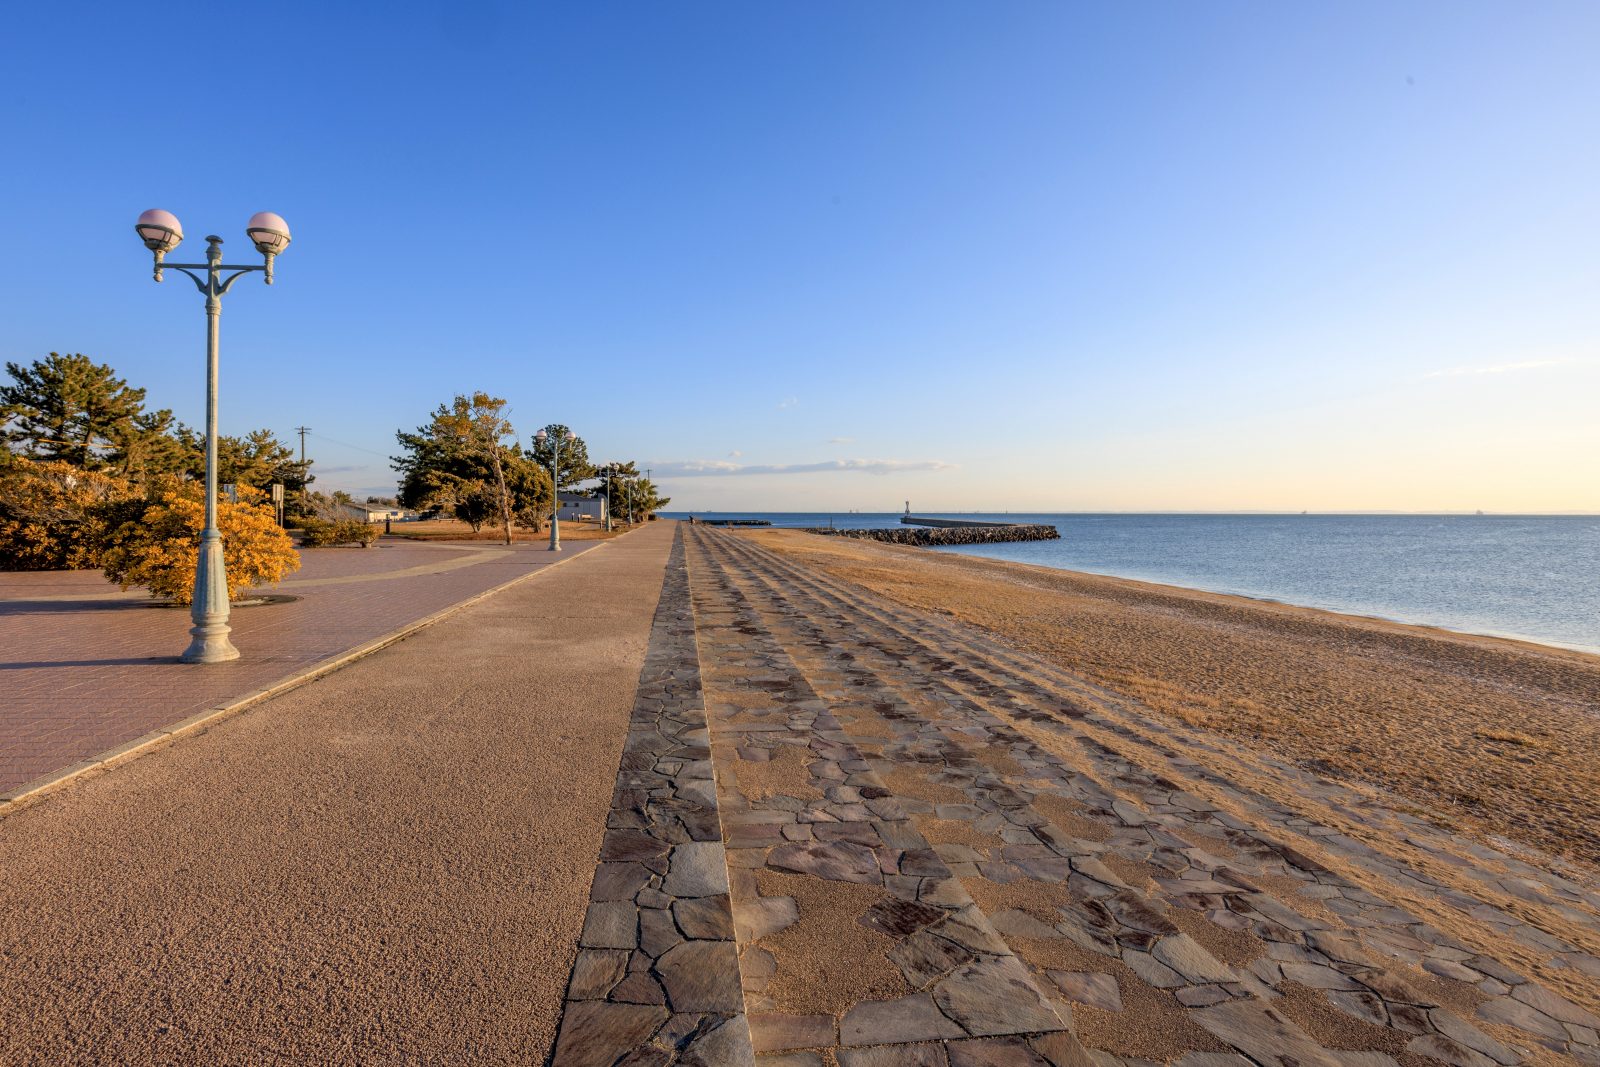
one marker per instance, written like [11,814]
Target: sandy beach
[1487,736]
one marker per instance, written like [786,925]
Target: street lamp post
[161,232]
[611,470]
[555,481]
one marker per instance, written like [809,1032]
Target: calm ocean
[1533,577]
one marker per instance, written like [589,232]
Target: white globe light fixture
[161,232]
[270,234]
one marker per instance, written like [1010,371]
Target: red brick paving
[85,667]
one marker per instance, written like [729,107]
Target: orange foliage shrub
[51,515]
[160,548]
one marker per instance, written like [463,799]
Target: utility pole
[302,431]
[652,488]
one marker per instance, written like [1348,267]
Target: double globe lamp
[161,232]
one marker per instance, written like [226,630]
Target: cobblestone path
[935,849]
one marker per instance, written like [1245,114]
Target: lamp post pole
[555,491]
[161,233]
[610,472]
[556,440]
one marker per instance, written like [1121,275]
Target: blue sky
[825,255]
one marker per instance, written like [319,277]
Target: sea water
[1535,577]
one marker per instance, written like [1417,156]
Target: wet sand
[1487,736]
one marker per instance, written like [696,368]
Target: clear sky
[800,256]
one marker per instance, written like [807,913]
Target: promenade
[87,668]
[686,800]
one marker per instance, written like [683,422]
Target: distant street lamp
[611,470]
[161,232]
[555,482]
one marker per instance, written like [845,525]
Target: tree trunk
[505,497]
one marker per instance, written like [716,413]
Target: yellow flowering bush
[160,548]
[51,514]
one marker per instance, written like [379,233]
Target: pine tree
[72,409]
[258,459]
[461,461]
[574,466]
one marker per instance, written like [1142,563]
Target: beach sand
[1486,736]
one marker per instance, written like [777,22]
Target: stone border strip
[24,795]
[656,979]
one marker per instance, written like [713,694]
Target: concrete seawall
[951,535]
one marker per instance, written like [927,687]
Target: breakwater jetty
[951,524]
[730,522]
[932,532]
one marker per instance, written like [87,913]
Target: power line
[347,444]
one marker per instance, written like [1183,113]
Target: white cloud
[1497,368]
[735,454]
[710,468]
[841,440]
[788,402]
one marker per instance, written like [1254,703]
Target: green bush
[316,533]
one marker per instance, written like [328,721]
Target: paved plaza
[688,802]
[85,667]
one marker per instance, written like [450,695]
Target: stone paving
[656,978]
[85,667]
[940,850]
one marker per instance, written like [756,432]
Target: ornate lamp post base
[210,631]
[210,644]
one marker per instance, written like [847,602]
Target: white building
[372,512]
[577,507]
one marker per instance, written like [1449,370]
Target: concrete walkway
[388,865]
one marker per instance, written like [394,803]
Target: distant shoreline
[1066,514]
[1256,598]
[1527,578]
